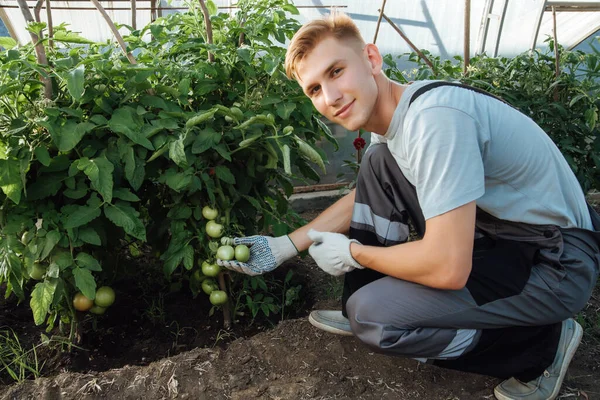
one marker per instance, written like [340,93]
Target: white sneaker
[331,321]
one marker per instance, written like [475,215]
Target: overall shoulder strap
[434,85]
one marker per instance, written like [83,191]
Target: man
[508,251]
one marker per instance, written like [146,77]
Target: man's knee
[366,319]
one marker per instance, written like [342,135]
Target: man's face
[339,80]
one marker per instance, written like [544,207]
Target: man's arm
[336,218]
[442,259]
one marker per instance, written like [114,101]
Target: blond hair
[337,25]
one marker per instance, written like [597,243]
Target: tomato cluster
[204,277]
[105,297]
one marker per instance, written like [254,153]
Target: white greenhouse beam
[538,24]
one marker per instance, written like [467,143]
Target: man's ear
[374,58]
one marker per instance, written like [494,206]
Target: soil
[169,347]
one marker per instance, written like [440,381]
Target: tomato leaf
[7,42]
[206,139]
[51,239]
[85,260]
[177,152]
[123,121]
[10,179]
[85,282]
[75,80]
[125,194]
[48,186]
[41,298]
[81,215]
[188,257]
[99,170]
[224,174]
[125,216]
[42,155]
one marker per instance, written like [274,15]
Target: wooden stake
[467,44]
[133,15]
[37,9]
[50,27]
[40,52]
[379,21]
[412,46]
[115,31]
[556,55]
[209,35]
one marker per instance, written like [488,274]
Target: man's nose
[332,95]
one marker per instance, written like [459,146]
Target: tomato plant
[133,153]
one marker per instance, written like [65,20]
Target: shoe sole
[570,352]
[328,328]
[571,349]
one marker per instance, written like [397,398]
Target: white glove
[266,254]
[331,252]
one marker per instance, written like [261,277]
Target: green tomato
[105,296]
[209,285]
[98,310]
[214,230]
[242,253]
[211,270]
[37,271]
[225,253]
[210,213]
[26,237]
[198,276]
[218,297]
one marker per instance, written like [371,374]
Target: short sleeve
[445,157]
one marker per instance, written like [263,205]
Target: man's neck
[390,93]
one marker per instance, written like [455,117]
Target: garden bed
[167,346]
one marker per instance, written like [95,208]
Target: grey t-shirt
[456,146]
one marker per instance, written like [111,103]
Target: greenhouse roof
[497,27]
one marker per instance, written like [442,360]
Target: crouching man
[508,250]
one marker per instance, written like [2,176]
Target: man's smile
[343,111]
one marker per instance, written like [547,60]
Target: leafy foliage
[566,107]
[132,152]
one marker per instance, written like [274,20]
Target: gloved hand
[331,252]
[266,254]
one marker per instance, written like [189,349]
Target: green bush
[124,153]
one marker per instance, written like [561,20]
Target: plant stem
[225,307]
